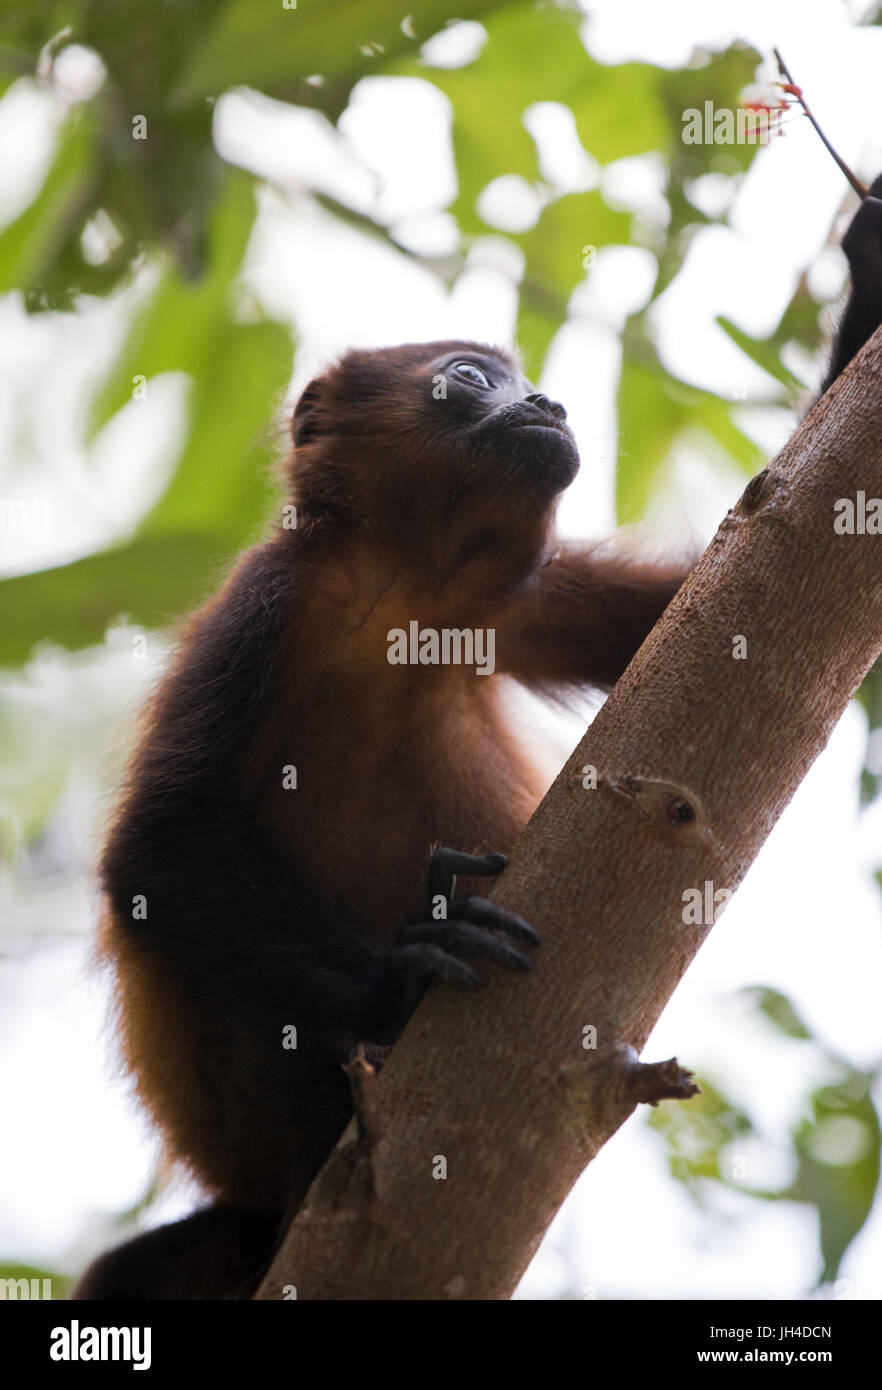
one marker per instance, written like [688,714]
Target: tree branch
[697,754]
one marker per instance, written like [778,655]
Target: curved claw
[459,863]
[470,939]
[486,914]
[426,948]
[445,864]
[421,957]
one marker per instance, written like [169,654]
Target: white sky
[807,920]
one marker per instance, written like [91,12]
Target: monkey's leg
[213,1254]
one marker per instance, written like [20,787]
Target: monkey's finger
[486,914]
[472,940]
[426,959]
[445,864]
[455,862]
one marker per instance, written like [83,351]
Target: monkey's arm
[862,245]
[590,611]
[232,916]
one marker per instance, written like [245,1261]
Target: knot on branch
[649,1082]
[603,1093]
[758,492]
[669,805]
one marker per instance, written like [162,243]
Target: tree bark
[697,753]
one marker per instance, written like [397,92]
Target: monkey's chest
[367,810]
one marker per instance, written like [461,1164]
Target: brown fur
[268,906]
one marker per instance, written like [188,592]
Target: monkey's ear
[306,421]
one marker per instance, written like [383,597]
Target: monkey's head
[442,452]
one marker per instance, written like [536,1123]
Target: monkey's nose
[544,403]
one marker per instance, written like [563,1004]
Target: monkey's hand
[862,242]
[862,245]
[453,928]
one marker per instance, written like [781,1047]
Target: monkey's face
[496,431]
[444,448]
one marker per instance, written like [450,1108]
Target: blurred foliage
[799,324]
[870,697]
[173,204]
[220,490]
[697,1134]
[835,1141]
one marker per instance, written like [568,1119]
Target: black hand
[862,245]
[432,949]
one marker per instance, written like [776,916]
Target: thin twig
[860,189]
[362,1082]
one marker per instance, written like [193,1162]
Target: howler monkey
[310,752]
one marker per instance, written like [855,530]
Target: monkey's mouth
[547,427]
[540,444]
[544,424]
[526,415]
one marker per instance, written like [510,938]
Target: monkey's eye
[470,372]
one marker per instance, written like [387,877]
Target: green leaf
[222,484]
[838,1150]
[214,506]
[537,55]
[720,80]
[176,329]
[531,55]
[837,1145]
[539,318]
[765,352]
[220,490]
[30,244]
[696,1133]
[554,248]
[554,251]
[619,111]
[271,47]
[800,324]
[152,580]
[778,1009]
[654,411]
